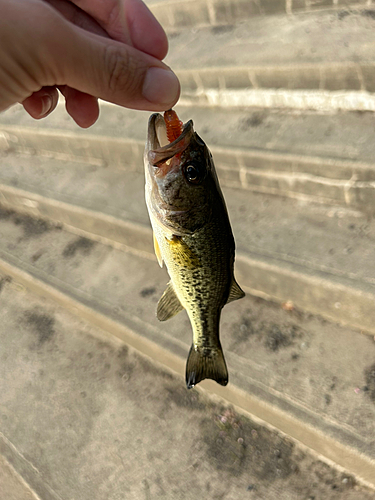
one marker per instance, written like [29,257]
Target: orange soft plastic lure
[173,124]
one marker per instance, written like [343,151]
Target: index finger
[130,22]
[77,16]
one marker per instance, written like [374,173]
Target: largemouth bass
[192,236]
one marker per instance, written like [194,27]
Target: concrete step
[315,38]
[13,486]
[85,416]
[326,158]
[316,256]
[303,62]
[177,14]
[311,379]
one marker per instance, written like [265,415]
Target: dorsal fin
[235,292]
[169,304]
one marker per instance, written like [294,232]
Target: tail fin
[205,363]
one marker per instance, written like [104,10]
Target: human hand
[89,49]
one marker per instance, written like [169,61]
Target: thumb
[113,71]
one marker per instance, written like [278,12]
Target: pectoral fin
[158,252]
[182,254]
[235,292]
[169,304]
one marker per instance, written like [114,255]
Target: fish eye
[193,173]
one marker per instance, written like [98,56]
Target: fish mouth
[157,153]
[158,148]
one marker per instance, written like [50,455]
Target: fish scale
[205,288]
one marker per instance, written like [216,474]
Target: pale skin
[88,49]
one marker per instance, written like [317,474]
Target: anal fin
[169,304]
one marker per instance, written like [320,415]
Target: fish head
[180,178]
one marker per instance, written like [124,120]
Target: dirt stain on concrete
[32,227]
[149,367]
[126,367]
[342,14]
[218,30]
[37,255]
[239,448]
[235,446]
[5,213]
[123,353]
[323,477]
[246,329]
[42,325]
[147,292]
[274,336]
[277,337]
[370,382]
[368,13]
[81,244]
[252,121]
[181,397]
[3,281]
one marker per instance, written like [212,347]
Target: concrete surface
[12,486]
[330,163]
[278,40]
[332,52]
[83,416]
[317,256]
[177,14]
[324,136]
[317,236]
[312,373]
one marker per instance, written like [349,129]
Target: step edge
[166,9]
[273,98]
[236,152]
[25,471]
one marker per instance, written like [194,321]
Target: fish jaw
[158,147]
[159,159]
[170,200]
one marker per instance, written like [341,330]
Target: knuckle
[49,35]
[121,70]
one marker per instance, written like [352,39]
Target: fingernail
[161,86]
[46,104]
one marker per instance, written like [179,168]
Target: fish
[192,237]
